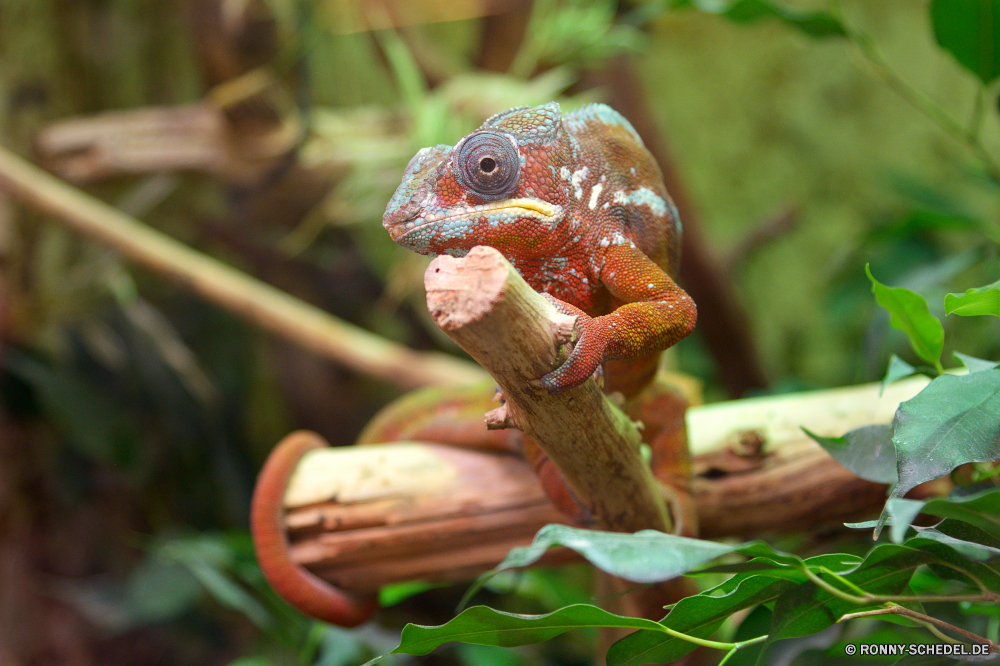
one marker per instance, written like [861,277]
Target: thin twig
[893,609]
[918,99]
[260,303]
[862,597]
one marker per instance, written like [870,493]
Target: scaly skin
[300,588]
[577,205]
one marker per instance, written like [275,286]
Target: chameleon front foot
[589,340]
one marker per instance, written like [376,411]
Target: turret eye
[488,164]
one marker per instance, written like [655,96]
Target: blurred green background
[134,415]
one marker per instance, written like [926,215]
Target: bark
[482,303]
[367,516]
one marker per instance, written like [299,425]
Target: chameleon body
[577,205]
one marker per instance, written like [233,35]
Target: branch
[482,303]
[927,621]
[256,301]
[362,517]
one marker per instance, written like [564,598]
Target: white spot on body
[577,178]
[595,192]
[643,197]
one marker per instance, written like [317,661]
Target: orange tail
[300,588]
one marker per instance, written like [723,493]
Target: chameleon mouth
[536,209]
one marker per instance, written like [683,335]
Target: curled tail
[300,588]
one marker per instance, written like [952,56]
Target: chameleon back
[634,182]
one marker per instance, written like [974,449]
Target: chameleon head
[495,187]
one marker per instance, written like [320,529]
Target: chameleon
[577,204]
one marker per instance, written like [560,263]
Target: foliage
[804,595]
[968,29]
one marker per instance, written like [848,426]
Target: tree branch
[256,301]
[482,303]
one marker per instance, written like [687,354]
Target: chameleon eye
[488,163]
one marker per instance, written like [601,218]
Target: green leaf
[209,560]
[807,609]
[949,564]
[968,549]
[908,312]
[698,615]
[953,421]
[251,661]
[229,593]
[481,625]
[968,532]
[981,510]
[901,512]
[390,595]
[866,451]
[977,301]
[814,24]
[644,557]
[159,589]
[968,29]
[922,221]
[898,369]
[488,655]
[767,567]
[974,364]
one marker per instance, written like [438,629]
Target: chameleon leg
[300,588]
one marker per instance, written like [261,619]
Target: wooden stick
[258,302]
[482,303]
[363,517]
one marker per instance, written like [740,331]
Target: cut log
[368,516]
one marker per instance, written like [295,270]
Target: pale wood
[487,308]
[456,523]
[779,418]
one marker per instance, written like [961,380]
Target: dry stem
[234,290]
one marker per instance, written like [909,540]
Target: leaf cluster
[802,595]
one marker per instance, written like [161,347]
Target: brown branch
[367,516]
[196,137]
[482,303]
[396,512]
[925,620]
[256,301]
[759,236]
